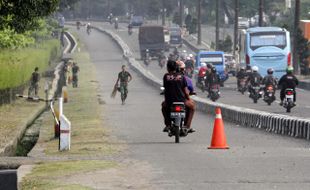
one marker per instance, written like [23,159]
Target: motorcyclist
[202,72]
[130,28]
[176,91]
[116,23]
[78,24]
[288,81]
[242,74]
[88,27]
[255,79]
[269,79]
[212,78]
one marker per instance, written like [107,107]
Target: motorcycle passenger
[189,81]
[242,74]
[212,78]
[269,79]
[189,66]
[176,91]
[255,79]
[288,81]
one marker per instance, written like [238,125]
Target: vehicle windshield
[214,59]
[262,39]
[175,32]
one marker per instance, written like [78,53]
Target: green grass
[48,175]
[17,65]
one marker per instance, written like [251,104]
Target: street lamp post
[199,23]
[163,16]
[296,27]
[217,26]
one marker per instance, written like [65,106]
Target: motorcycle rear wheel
[177,134]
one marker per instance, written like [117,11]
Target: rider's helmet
[289,70]
[88,24]
[203,64]
[255,69]
[116,19]
[270,71]
[191,55]
[209,65]
[242,68]
[213,70]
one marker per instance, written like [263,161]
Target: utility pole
[236,26]
[199,23]
[163,13]
[261,13]
[296,27]
[181,12]
[217,26]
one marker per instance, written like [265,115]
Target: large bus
[266,47]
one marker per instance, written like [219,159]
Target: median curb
[275,123]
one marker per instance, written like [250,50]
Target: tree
[24,15]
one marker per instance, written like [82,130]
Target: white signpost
[65,129]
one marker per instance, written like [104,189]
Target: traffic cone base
[218,137]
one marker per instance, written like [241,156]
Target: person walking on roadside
[34,83]
[75,69]
[124,77]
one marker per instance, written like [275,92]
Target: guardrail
[275,123]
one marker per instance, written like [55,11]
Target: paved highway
[229,94]
[255,160]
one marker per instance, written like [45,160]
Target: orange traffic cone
[218,136]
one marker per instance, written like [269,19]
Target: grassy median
[90,140]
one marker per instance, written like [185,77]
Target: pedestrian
[124,77]
[34,83]
[75,69]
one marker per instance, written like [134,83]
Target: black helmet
[209,66]
[213,70]
[171,66]
[270,71]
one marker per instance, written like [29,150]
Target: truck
[305,28]
[151,38]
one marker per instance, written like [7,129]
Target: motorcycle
[201,82]
[129,31]
[88,30]
[242,85]
[116,25]
[256,93]
[177,116]
[147,58]
[269,95]
[214,93]
[162,61]
[289,99]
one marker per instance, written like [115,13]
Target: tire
[255,101]
[269,103]
[177,134]
[288,109]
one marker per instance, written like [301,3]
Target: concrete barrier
[8,179]
[274,123]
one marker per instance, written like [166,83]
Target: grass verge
[48,176]
[17,66]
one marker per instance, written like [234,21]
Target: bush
[9,39]
[17,66]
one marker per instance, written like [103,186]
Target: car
[137,21]
[243,23]
[230,64]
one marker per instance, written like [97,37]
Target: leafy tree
[23,15]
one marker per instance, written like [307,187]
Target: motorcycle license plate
[177,114]
[289,96]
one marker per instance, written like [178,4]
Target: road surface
[256,159]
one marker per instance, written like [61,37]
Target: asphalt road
[229,94]
[256,159]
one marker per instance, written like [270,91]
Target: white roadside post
[65,129]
